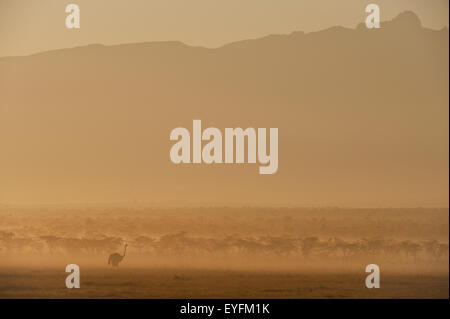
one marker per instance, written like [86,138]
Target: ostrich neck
[124,250]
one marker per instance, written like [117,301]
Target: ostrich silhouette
[116,258]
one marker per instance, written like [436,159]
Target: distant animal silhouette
[116,258]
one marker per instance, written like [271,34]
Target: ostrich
[116,258]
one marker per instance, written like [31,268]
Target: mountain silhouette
[362,117]
[405,21]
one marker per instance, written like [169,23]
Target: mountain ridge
[406,19]
[362,118]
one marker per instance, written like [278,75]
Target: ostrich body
[116,258]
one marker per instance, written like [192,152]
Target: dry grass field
[185,283]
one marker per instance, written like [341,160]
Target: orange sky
[362,115]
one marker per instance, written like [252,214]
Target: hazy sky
[28,26]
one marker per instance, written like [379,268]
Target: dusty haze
[362,117]
[219,252]
[363,123]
